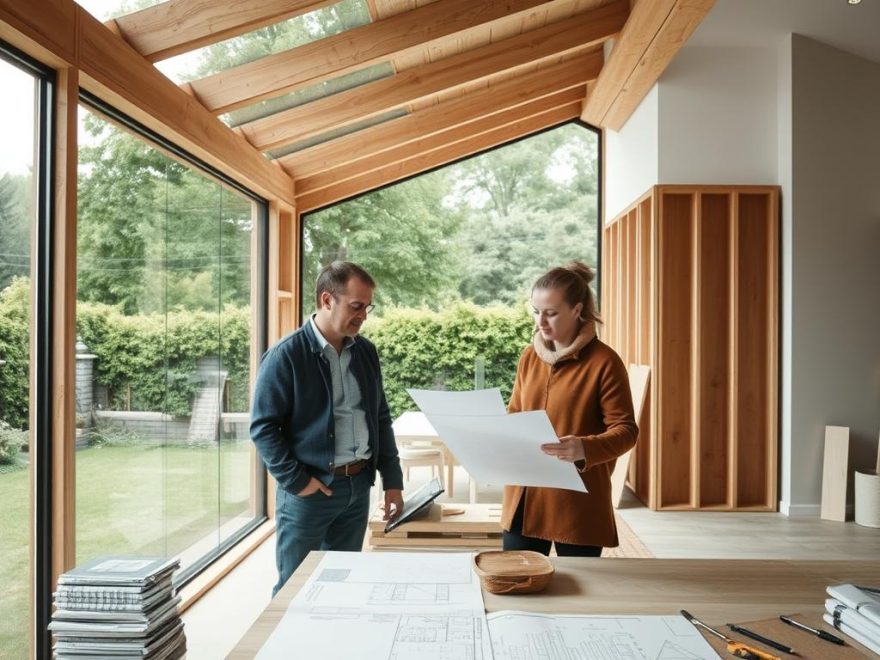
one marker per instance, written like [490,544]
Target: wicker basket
[513,571]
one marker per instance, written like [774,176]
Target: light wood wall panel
[690,287]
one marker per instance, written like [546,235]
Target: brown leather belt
[351,469]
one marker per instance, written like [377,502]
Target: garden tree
[16,211]
[154,234]
[529,205]
[509,253]
[401,234]
[116,212]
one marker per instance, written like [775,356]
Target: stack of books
[855,611]
[118,607]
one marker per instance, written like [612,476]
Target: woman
[583,386]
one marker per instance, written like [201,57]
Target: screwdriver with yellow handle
[734,647]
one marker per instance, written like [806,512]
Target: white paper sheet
[393,582]
[496,448]
[385,605]
[507,450]
[527,636]
[469,402]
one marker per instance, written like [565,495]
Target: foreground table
[714,590]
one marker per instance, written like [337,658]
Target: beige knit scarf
[545,349]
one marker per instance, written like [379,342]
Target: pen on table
[762,639]
[827,636]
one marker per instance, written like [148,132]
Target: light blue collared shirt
[352,435]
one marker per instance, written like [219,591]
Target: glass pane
[245,48]
[164,318]
[17,130]
[454,253]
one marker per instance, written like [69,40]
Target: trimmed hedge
[437,350]
[147,362]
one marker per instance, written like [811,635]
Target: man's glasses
[358,307]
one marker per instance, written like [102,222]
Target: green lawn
[137,499]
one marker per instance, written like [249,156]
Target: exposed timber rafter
[494,99]
[178,26]
[430,159]
[359,168]
[351,50]
[653,34]
[582,31]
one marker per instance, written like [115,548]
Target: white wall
[801,115]
[631,157]
[731,130]
[835,239]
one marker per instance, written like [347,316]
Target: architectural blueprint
[427,606]
[397,606]
[531,636]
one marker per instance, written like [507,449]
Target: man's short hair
[334,278]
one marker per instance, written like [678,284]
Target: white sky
[16,120]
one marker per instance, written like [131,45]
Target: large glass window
[454,253]
[165,300]
[17,220]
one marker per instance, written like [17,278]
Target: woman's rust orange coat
[585,394]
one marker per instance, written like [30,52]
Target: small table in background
[414,429]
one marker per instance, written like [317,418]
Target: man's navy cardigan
[292,412]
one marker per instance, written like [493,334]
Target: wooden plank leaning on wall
[699,283]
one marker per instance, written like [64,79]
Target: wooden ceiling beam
[178,26]
[585,30]
[311,184]
[652,36]
[351,50]
[493,99]
[429,160]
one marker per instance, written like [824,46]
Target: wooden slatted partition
[690,287]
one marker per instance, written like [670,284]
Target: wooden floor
[216,623]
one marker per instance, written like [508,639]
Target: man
[321,423]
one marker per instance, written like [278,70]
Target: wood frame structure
[691,288]
[466,76]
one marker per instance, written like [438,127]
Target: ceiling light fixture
[853,2]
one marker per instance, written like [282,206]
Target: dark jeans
[320,522]
[516,540]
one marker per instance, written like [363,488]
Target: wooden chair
[420,453]
[639,374]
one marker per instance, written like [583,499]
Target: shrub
[107,435]
[437,350]
[11,440]
[14,338]
[148,361]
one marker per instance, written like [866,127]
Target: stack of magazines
[118,607]
[855,611]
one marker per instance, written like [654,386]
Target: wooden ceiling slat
[426,161]
[581,31]
[178,26]
[311,184]
[509,94]
[354,49]
[682,22]
[633,63]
